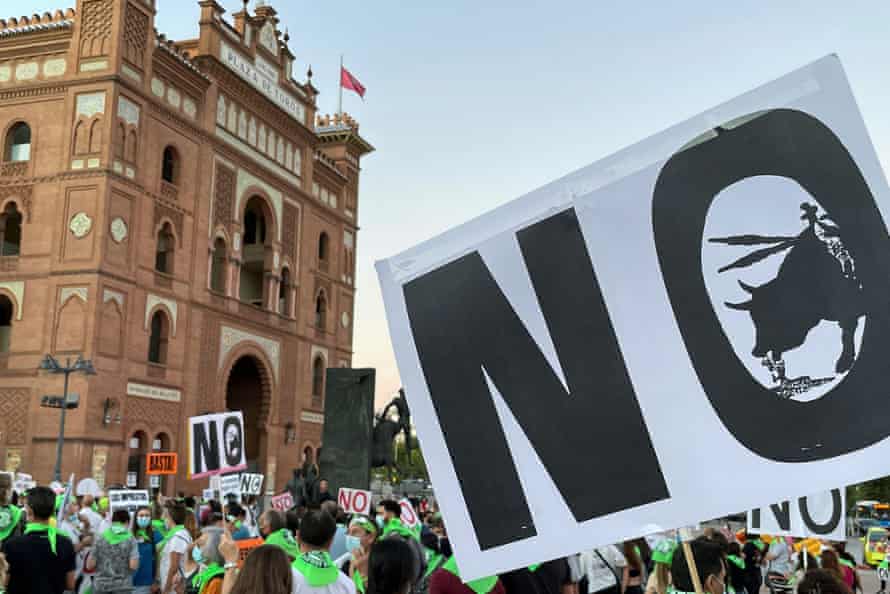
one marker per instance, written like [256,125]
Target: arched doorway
[138,445]
[245,391]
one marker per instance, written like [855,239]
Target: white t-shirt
[343,585]
[94,519]
[178,544]
[602,575]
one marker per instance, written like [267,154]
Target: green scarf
[159,526]
[480,586]
[200,580]
[143,535]
[10,516]
[843,561]
[285,540]
[116,534]
[356,579]
[737,561]
[168,536]
[317,567]
[433,561]
[760,545]
[395,525]
[51,533]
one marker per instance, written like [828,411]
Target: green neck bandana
[285,540]
[200,580]
[116,534]
[395,525]
[737,561]
[158,525]
[480,586]
[168,536]
[10,516]
[760,545]
[317,568]
[51,533]
[434,560]
[357,579]
[843,561]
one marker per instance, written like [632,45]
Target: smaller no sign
[354,501]
[817,516]
[409,516]
[283,502]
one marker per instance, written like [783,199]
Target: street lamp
[51,365]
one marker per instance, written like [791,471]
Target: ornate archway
[248,388]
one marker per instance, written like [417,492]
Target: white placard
[230,486]
[409,516]
[23,482]
[354,501]
[216,444]
[251,484]
[591,312]
[818,516]
[87,486]
[154,481]
[130,500]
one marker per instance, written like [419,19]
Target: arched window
[321,311]
[318,377]
[6,310]
[218,266]
[323,247]
[10,231]
[18,143]
[136,460]
[164,250]
[283,291]
[254,224]
[170,165]
[157,342]
[252,288]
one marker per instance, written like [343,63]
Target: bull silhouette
[815,282]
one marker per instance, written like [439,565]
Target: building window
[321,311]
[318,377]
[164,250]
[252,288]
[170,166]
[283,292]
[157,342]
[18,143]
[323,251]
[218,266]
[10,231]
[6,310]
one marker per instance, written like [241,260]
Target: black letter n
[592,440]
[206,448]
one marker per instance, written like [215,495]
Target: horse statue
[385,432]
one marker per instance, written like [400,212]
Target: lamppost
[51,365]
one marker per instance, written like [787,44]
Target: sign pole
[693,570]
[340,86]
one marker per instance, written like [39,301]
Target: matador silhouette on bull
[816,281]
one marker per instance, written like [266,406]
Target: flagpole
[340,84]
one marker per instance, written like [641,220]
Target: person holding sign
[115,557]
[313,571]
[709,565]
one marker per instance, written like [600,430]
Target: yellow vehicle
[875,542]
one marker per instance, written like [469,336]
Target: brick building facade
[179,214]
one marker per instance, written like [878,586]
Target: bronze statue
[303,485]
[385,432]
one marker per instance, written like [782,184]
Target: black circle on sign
[233,455]
[795,145]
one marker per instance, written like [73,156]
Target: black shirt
[33,568]
[549,578]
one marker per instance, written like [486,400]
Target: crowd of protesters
[186,546]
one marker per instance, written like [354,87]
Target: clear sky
[471,103]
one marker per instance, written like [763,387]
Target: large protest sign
[817,516]
[216,444]
[354,501]
[130,500]
[616,306]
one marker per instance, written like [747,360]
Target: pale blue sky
[471,103]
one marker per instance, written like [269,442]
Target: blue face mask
[352,543]
[143,522]
[379,521]
[197,555]
[73,518]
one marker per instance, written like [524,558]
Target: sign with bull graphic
[688,328]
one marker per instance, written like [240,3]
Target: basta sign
[165,463]
[617,306]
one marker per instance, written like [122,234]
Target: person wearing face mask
[203,571]
[273,528]
[235,516]
[115,557]
[146,540]
[172,548]
[359,540]
[709,563]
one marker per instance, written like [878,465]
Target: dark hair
[734,549]
[177,513]
[275,519]
[633,558]
[267,570]
[42,502]
[392,565]
[708,560]
[821,581]
[215,506]
[830,562]
[120,516]
[236,510]
[293,522]
[317,528]
[149,531]
[720,539]
[190,502]
[391,506]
